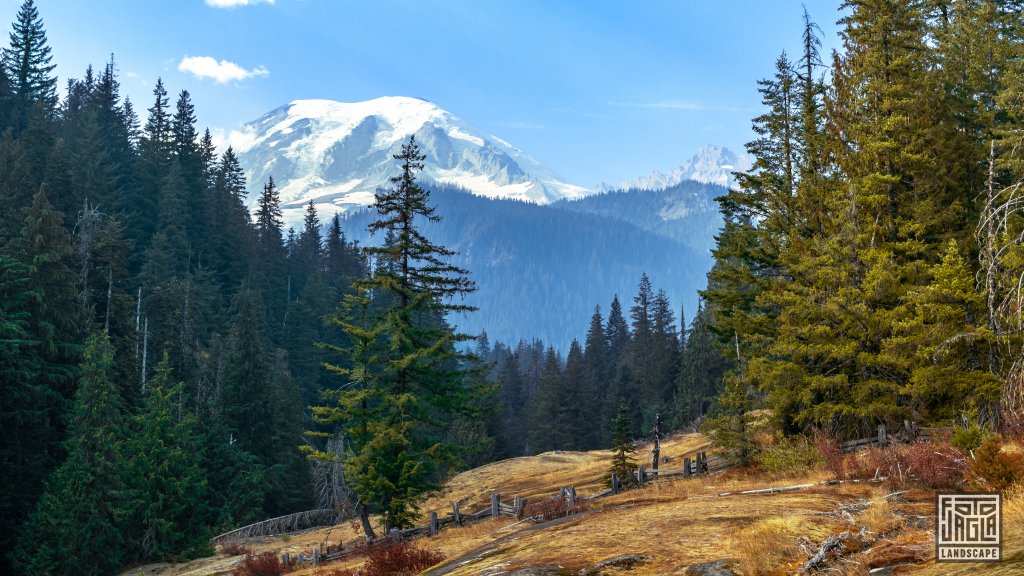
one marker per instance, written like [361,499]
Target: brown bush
[398,559]
[265,564]
[831,453]
[557,507]
[234,549]
[919,465]
[994,468]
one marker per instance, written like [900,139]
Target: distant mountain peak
[712,164]
[338,153]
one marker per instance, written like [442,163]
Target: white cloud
[239,140]
[233,3]
[222,72]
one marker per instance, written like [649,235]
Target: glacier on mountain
[338,153]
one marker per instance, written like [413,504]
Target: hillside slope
[678,523]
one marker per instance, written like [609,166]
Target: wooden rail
[280,525]
[697,466]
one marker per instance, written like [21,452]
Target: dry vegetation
[678,522]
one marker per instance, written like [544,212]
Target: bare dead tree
[86,226]
[1000,234]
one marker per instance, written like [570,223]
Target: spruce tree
[623,463]
[405,373]
[28,61]
[165,480]
[80,515]
[24,428]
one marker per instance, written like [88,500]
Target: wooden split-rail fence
[908,434]
[281,525]
[698,465]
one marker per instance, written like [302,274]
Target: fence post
[316,556]
[517,507]
[703,461]
[433,523]
[396,535]
[522,508]
[285,559]
[686,467]
[570,496]
[641,475]
[495,501]
[455,513]
[882,439]
[615,483]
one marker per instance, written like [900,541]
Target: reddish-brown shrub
[264,564]
[234,549]
[398,559]
[831,453]
[993,468]
[557,507]
[919,465]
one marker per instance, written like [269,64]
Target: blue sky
[600,91]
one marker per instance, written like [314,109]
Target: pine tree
[24,427]
[405,370]
[595,386]
[642,386]
[623,463]
[79,516]
[16,183]
[547,425]
[701,372]
[28,60]
[165,479]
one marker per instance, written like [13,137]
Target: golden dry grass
[767,544]
[678,522]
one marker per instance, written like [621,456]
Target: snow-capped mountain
[339,153]
[710,165]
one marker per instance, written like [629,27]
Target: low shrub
[968,439]
[398,559]
[790,455]
[994,468]
[264,564]
[830,453]
[234,549]
[919,465]
[552,508]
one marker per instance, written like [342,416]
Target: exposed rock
[618,563]
[716,568]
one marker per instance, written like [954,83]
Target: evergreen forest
[173,366]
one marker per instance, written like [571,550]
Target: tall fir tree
[405,370]
[81,511]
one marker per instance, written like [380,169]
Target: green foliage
[623,461]
[165,478]
[76,528]
[968,438]
[404,377]
[791,455]
[731,425]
